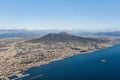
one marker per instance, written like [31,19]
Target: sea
[100,65]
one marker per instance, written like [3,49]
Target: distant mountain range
[62,37]
[116,33]
[22,33]
[39,33]
[15,33]
[36,33]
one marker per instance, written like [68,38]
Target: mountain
[16,33]
[21,33]
[61,37]
[115,33]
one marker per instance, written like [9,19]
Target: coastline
[67,54]
[78,64]
[59,59]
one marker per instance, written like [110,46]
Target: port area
[14,76]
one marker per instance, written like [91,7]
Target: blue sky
[89,15]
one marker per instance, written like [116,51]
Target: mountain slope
[61,37]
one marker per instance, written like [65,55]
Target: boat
[103,60]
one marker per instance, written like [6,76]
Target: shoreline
[69,54]
[41,65]
[55,60]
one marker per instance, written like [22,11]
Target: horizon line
[25,29]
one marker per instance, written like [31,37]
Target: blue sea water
[81,67]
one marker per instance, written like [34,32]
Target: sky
[86,15]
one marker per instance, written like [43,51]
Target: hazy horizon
[30,29]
